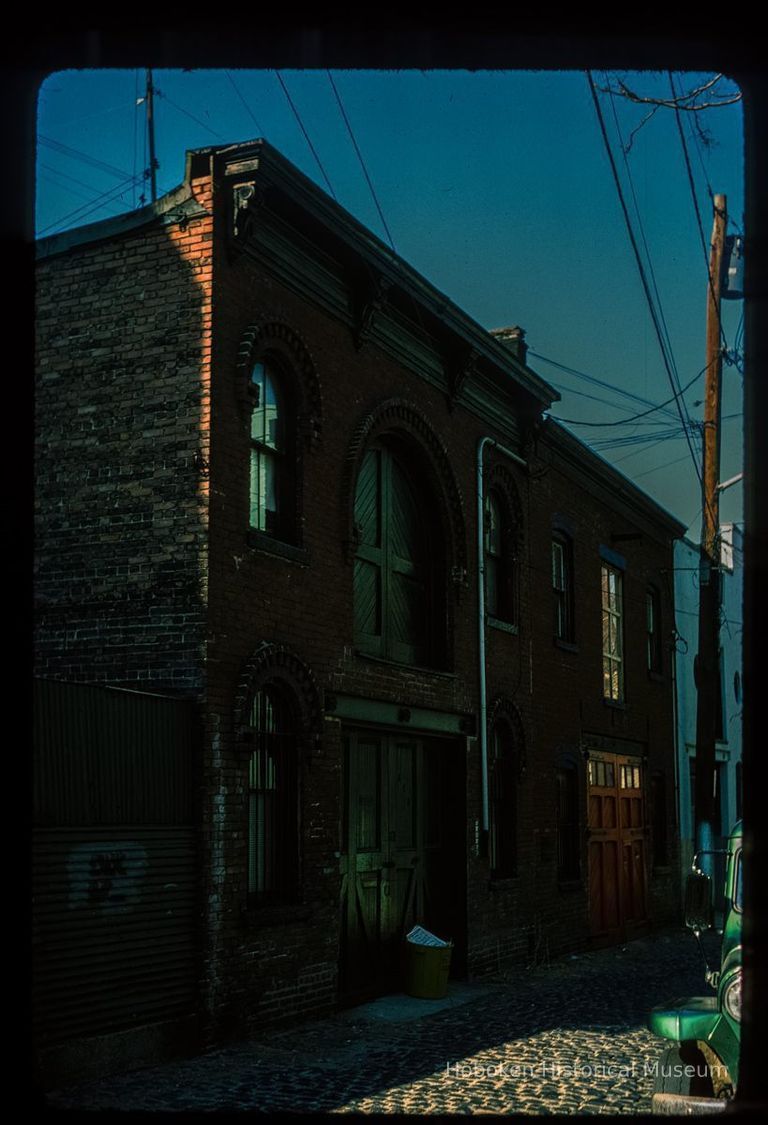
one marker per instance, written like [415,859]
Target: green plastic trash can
[426,970]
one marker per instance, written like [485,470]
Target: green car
[701,1062]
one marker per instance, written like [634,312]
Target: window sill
[369,656]
[615,704]
[259,917]
[268,545]
[502,626]
[566,646]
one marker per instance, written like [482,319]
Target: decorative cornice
[371,300]
[247,200]
[458,370]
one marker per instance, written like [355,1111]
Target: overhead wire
[135,129]
[699,222]
[191,116]
[297,115]
[86,209]
[76,154]
[643,413]
[248,109]
[641,270]
[597,382]
[652,272]
[362,161]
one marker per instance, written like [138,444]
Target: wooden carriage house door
[393,869]
[617,859]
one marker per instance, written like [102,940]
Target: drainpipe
[484,441]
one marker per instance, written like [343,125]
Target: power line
[248,109]
[103,200]
[643,413]
[362,162]
[641,269]
[645,245]
[186,113]
[304,131]
[76,154]
[136,104]
[710,280]
[597,382]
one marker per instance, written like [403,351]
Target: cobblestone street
[569,1037]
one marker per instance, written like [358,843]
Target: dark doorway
[404,853]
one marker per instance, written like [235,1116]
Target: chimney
[514,339]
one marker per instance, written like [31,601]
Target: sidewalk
[566,1038]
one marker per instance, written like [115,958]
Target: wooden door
[392,873]
[616,848]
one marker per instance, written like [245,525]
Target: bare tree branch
[637,129]
[681,103]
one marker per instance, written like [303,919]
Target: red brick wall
[147,578]
[123,346]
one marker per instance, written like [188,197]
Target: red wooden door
[616,846]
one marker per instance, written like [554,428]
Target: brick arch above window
[277,664]
[500,480]
[273,337]
[400,419]
[503,710]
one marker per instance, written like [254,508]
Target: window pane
[266,415]
[272,799]
[612,630]
[558,567]
[263,498]
[492,525]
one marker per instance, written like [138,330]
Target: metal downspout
[481,615]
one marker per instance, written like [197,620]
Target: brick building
[273,461]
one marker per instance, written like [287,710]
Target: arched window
[271,499]
[500,559]
[395,589]
[503,801]
[272,798]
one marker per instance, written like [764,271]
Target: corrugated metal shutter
[114,861]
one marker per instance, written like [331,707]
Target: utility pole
[708,661]
[150,99]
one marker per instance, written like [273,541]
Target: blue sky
[496,186]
